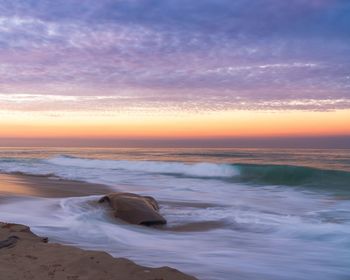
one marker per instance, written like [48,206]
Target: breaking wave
[176,168]
[289,175]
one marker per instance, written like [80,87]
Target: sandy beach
[24,255]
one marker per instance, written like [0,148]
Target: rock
[9,242]
[11,233]
[135,209]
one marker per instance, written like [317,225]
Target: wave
[266,174]
[289,175]
[252,174]
[175,168]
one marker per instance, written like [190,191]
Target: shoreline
[31,256]
[45,186]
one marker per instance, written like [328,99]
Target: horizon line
[307,142]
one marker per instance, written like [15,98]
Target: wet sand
[17,184]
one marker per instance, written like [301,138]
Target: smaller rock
[9,242]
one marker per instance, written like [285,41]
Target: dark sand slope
[30,257]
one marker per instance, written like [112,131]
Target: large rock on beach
[135,209]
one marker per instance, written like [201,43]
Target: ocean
[271,214]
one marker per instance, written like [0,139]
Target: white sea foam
[255,242]
[195,169]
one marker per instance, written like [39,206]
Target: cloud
[180,53]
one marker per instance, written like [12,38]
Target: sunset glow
[175,125]
[170,69]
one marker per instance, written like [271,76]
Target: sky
[174,69]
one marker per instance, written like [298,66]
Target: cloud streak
[147,104]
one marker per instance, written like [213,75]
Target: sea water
[267,214]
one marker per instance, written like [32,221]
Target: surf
[203,169]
